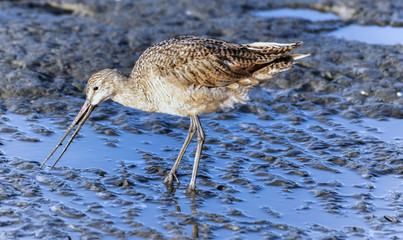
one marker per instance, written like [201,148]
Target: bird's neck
[130,92]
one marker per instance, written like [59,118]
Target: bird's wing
[210,62]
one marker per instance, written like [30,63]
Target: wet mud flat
[315,154]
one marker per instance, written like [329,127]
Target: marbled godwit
[186,76]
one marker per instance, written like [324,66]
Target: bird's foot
[191,189]
[170,178]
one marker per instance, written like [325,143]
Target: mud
[315,154]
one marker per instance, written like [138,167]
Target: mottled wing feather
[210,62]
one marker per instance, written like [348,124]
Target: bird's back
[215,69]
[211,62]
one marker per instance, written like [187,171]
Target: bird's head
[101,87]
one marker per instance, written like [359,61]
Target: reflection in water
[195,231]
[195,227]
[189,219]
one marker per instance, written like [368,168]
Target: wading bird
[186,76]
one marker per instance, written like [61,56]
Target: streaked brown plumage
[187,76]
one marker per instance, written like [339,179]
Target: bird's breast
[165,95]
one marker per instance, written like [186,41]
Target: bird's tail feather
[299,56]
[277,66]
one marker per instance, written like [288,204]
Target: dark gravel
[296,148]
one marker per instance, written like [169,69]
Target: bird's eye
[95,88]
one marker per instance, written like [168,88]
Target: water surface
[307,14]
[386,35]
[249,185]
[368,34]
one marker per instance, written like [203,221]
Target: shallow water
[388,130]
[307,14]
[367,34]
[371,34]
[248,186]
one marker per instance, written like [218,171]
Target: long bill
[80,119]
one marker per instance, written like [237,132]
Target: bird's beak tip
[80,119]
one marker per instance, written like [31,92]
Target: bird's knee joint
[201,137]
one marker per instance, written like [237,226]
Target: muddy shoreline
[306,147]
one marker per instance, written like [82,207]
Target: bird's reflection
[194,201]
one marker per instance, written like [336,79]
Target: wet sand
[315,154]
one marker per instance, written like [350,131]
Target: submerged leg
[172,174]
[200,142]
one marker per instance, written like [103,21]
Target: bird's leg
[172,174]
[200,142]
